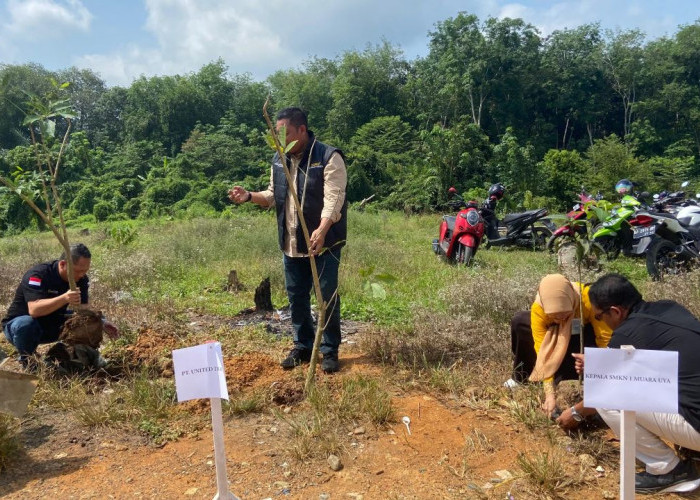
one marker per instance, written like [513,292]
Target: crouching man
[38,311]
[663,326]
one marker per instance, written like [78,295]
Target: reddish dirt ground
[453,451]
[65,460]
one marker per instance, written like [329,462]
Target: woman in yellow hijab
[541,338]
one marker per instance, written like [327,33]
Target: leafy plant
[122,234]
[38,188]
[372,285]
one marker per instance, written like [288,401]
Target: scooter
[517,229]
[614,234]
[670,235]
[461,234]
[671,244]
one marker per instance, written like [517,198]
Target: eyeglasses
[599,316]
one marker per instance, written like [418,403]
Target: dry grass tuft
[9,444]
[319,428]
[684,289]
[546,471]
[437,340]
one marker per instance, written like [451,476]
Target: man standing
[319,178]
[664,326]
[38,310]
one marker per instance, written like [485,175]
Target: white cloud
[46,16]
[191,33]
[259,37]
[515,11]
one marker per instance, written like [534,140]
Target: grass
[9,443]
[319,429]
[546,471]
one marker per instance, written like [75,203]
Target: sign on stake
[199,373]
[630,380]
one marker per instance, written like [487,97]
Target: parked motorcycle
[671,244]
[614,233]
[461,234]
[526,229]
[669,234]
[576,218]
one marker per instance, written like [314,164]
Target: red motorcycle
[461,234]
[571,227]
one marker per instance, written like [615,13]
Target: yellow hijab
[555,294]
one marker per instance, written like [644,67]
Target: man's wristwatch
[576,415]
[250,196]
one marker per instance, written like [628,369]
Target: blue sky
[123,39]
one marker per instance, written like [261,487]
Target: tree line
[493,100]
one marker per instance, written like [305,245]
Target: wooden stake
[217,426]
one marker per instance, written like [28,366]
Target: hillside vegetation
[492,101]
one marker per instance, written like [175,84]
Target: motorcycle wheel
[662,259]
[465,255]
[555,241]
[609,245]
[540,237]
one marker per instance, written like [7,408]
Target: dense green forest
[492,101]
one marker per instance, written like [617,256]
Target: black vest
[312,201]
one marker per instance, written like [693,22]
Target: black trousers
[524,355]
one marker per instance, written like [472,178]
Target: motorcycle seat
[530,213]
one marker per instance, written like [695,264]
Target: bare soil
[453,450]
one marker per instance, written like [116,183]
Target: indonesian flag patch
[35,281]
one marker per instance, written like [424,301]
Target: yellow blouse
[540,322]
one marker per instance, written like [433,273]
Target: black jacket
[313,162]
[671,327]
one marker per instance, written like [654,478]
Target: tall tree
[623,60]
[573,87]
[368,85]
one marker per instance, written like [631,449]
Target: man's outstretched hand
[237,194]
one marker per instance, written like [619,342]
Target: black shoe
[683,477]
[296,357]
[30,364]
[330,363]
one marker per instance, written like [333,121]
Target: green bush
[103,210]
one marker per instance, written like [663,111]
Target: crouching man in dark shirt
[662,326]
[39,308]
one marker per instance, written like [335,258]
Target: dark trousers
[524,355]
[299,284]
[25,333]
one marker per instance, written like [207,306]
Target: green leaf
[366,271]
[29,119]
[378,291]
[289,146]
[48,128]
[386,278]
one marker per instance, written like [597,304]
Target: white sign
[631,379]
[199,372]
